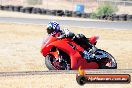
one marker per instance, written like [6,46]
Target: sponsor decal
[83,78]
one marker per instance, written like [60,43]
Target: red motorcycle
[65,54]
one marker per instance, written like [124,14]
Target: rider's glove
[61,36]
[68,34]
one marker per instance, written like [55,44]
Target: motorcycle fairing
[75,57]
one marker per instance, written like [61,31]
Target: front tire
[53,64]
[48,62]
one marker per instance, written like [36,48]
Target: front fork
[57,55]
[59,58]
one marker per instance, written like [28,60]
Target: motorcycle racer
[54,28]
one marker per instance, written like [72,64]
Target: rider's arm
[66,34]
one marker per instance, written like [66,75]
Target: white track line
[51,72]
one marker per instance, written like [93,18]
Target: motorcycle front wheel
[53,64]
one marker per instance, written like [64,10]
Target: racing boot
[88,56]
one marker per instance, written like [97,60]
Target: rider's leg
[81,40]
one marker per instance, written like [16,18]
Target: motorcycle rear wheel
[109,57]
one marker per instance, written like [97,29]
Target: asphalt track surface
[76,23]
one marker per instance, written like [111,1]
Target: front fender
[45,49]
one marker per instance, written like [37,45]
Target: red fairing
[45,46]
[67,45]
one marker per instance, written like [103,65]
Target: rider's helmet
[53,27]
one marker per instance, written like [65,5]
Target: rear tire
[110,57]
